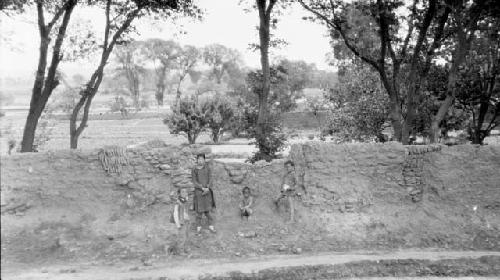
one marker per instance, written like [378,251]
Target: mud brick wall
[356,174]
[351,175]
[356,193]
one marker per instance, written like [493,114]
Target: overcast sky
[225,22]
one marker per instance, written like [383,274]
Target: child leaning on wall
[246,203]
[288,187]
[180,217]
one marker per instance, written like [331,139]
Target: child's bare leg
[292,210]
[278,199]
[185,235]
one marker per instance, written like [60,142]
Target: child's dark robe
[202,178]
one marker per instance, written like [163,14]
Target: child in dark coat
[203,195]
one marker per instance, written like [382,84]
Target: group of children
[204,202]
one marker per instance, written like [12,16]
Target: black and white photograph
[250,139]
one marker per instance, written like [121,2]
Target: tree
[164,54]
[46,79]
[129,62]
[9,7]
[221,60]
[323,79]
[220,112]
[66,99]
[477,89]
[299,74]
[359,105]
[400,48]
[265,9]
[119,16]
[190,119]
[466,20]
[186,62]
[281,98]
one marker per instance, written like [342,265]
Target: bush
[270,141]
[219,111]
[245,117]
[118,104]
[359,106]
[190,119]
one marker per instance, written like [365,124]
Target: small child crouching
[246,203]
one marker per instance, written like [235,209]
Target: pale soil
[192,269]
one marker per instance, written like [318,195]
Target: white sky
[225,22]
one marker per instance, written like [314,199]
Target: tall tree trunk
[397,121]
[264,38]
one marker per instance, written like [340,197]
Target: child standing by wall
[180,217]
[288,186]
[204,200]
[246,203]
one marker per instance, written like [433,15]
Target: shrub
[359,106]
[118,104]
[270,141]
[219,111]
[245,117]
[189,119]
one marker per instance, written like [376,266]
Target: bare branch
[59,13]
[438,38]
[336,26]
[411,25]
[269,8]
[108,24]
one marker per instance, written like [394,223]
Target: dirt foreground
[442,263]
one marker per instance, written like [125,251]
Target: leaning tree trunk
[44,86]
[465,36]
[95,81]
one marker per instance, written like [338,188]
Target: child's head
[182,193]
[289,165]
[200,158]
[246,191]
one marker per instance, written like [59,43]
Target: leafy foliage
[245,118]
[219,112]
[221,60]
[190,119]
[478,91]
[270,141]
[281,98]
[130,66]
[401,40]
[359,106]
[164,55]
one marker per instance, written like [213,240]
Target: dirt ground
[421,264]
